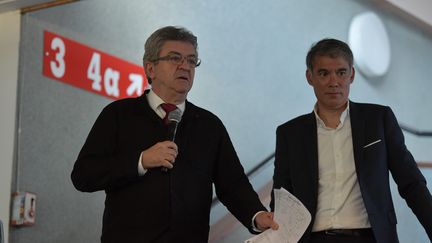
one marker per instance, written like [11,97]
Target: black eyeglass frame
[177,59]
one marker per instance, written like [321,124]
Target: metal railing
[416,132]
[1,232]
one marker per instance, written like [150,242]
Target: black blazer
[296,167]
[171,206]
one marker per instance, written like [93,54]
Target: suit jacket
[171,206]
[296,167]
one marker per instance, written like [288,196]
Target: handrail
[416,132]
[1,232]
[260,165]
[254,170]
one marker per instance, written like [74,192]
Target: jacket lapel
[311,141]
[358,130]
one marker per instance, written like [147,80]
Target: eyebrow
[178,53]
[327,70]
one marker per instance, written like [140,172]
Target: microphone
[174,118]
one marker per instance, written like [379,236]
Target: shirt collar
[155,101]
[342,118]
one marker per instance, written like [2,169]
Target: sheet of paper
[291,215]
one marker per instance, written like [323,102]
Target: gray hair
[156,40]
[329,47]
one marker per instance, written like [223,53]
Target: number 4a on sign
[111,79]
[90,69]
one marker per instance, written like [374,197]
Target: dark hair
[156,40]
[329,47]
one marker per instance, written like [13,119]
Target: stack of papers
[291,215]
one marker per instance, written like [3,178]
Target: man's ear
[352,74]
[309,76]
[149,69]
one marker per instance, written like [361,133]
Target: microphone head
[175,115]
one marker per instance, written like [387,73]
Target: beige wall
[9,46]
[420,9]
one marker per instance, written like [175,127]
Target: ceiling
[11,5]
[415,12]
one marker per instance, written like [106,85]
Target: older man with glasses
[159,189]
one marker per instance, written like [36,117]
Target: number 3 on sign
[58,66]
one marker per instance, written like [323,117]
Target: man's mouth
[183,77]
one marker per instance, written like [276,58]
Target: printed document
[291,215]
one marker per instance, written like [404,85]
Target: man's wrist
[141,170]
[254,226]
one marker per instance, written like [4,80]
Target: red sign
[84,67]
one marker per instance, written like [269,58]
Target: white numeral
[93,72]
[58,66]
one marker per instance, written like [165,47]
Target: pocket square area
[370,144]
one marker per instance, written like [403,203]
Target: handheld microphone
[174,118]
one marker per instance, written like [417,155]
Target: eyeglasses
[177,59]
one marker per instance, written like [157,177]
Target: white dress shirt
[340,203]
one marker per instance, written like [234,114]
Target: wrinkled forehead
[330,63]
[184,48]
[330,59]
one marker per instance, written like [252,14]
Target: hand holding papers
[291,215]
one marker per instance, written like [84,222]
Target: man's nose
[184,64]
[333,80]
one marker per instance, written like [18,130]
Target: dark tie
[167,107]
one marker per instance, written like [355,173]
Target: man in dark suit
[337,159]
[149,198]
